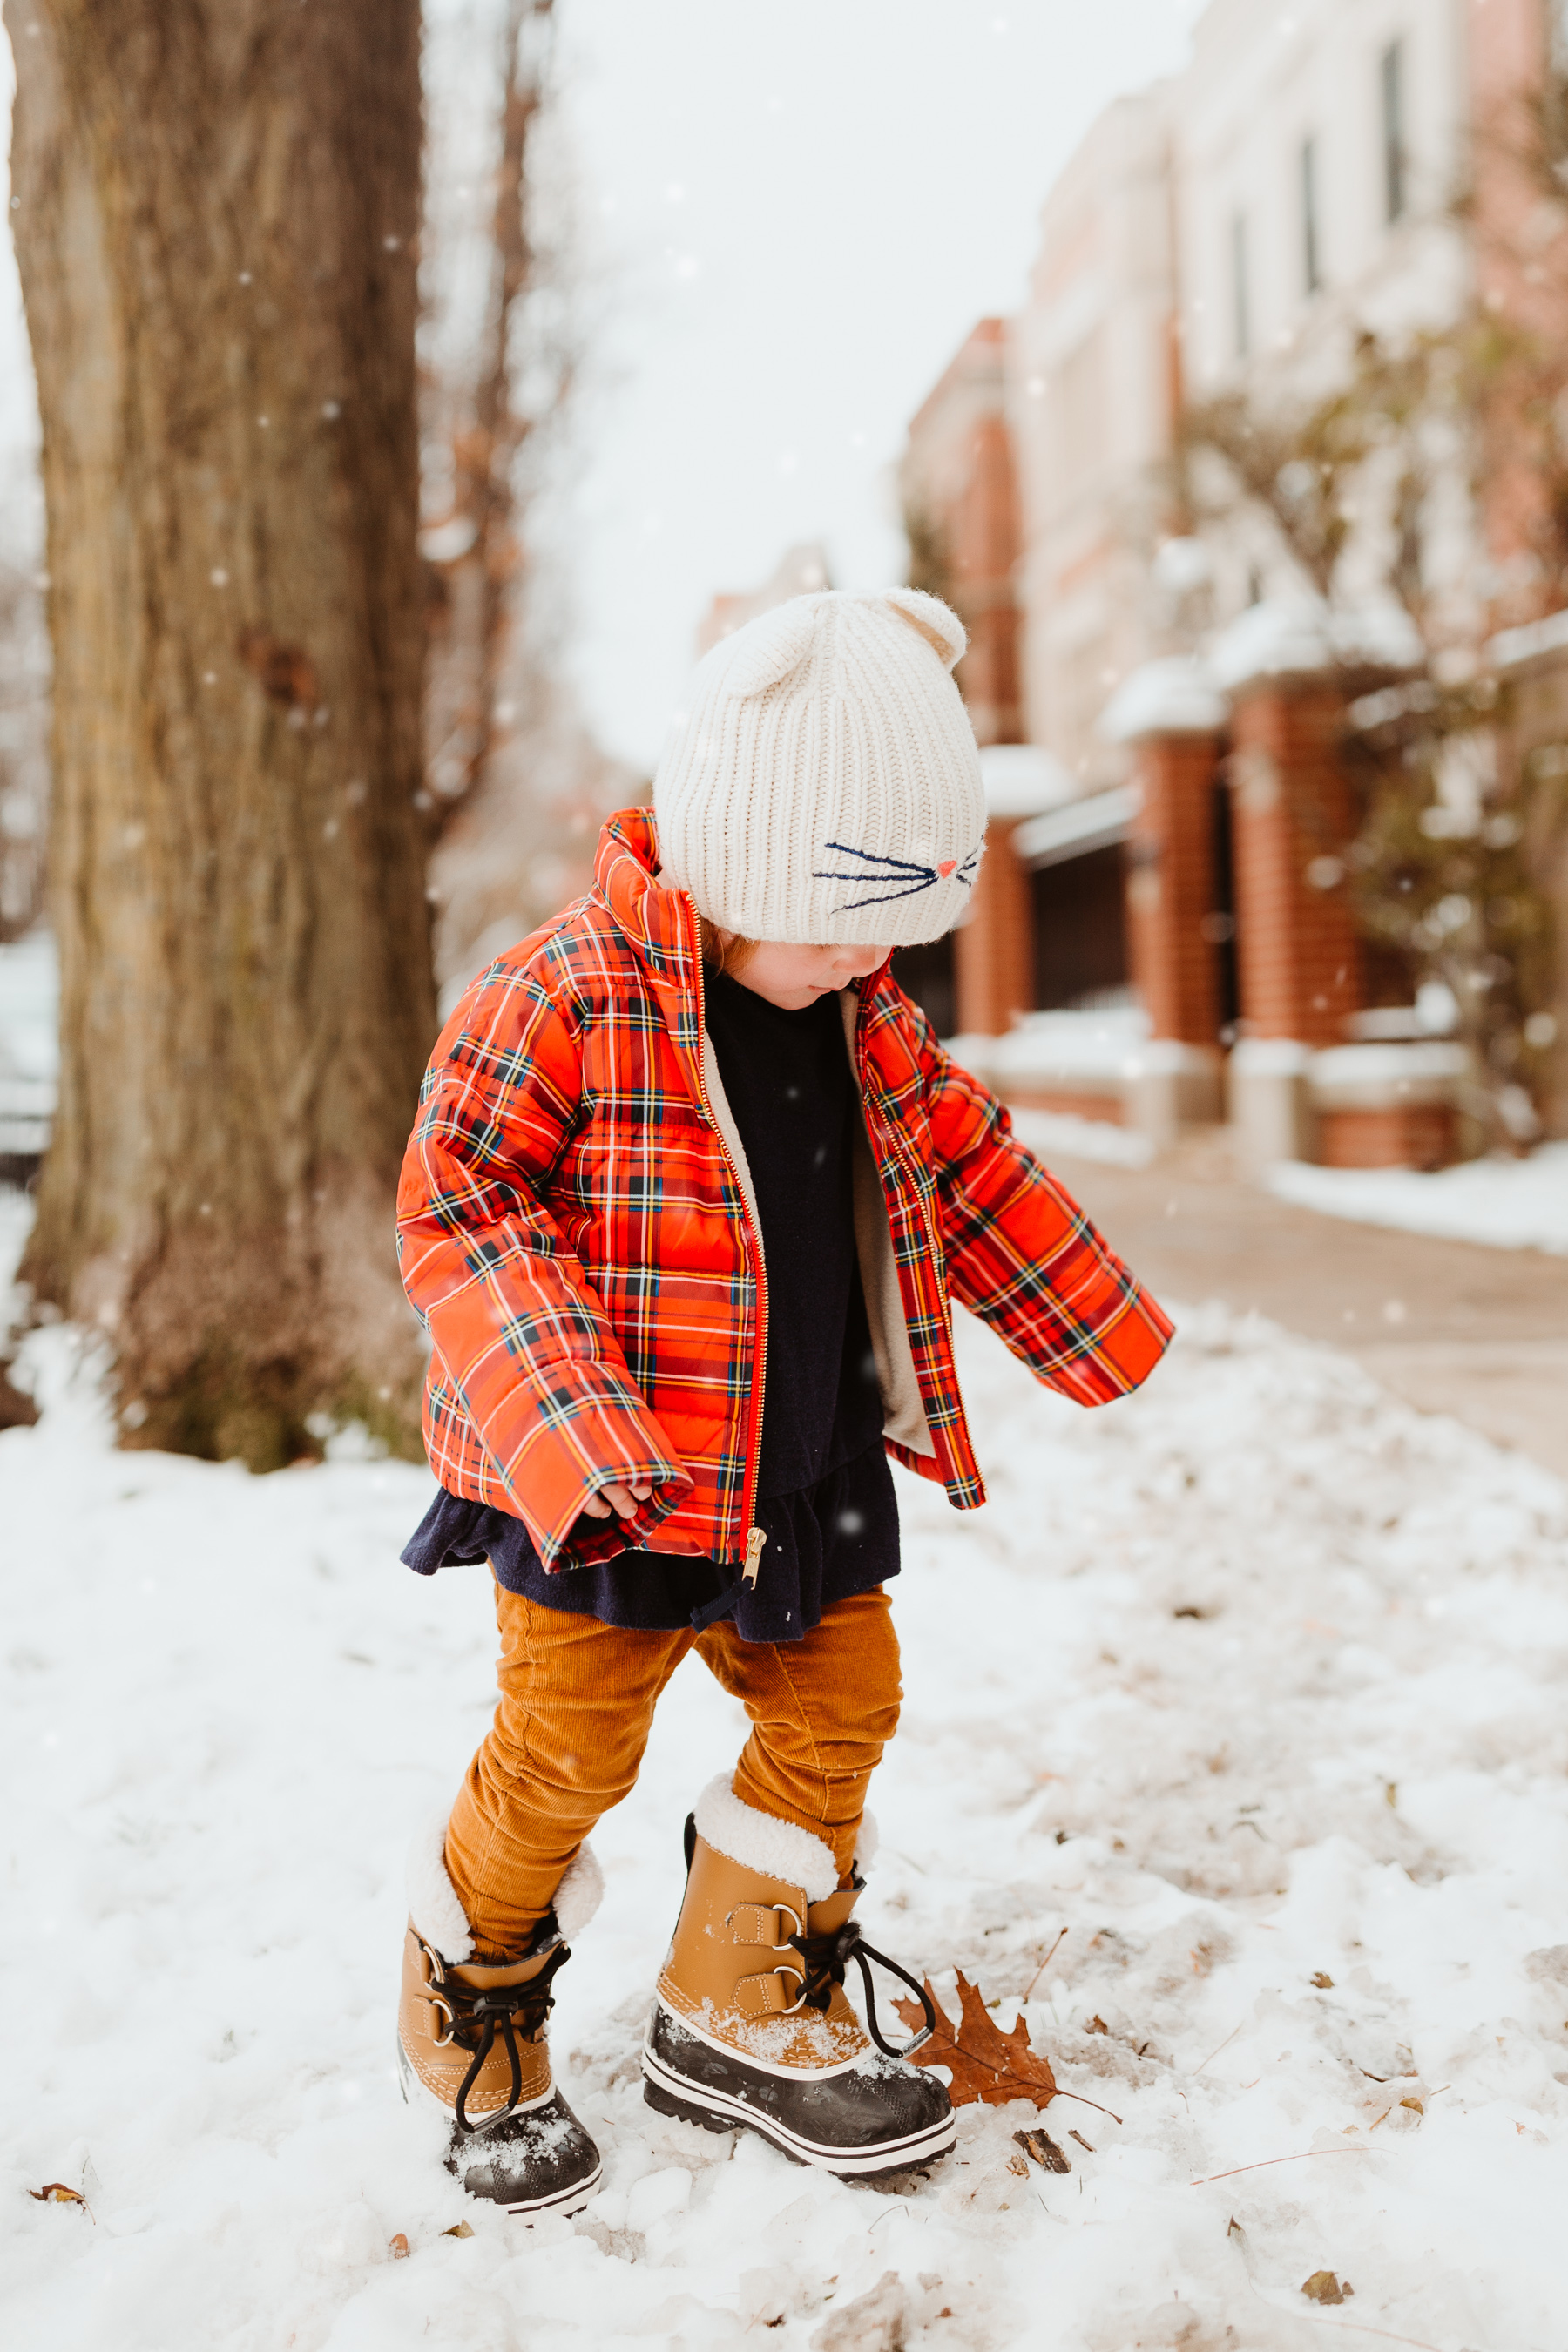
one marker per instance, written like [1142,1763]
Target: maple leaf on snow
[987,2064]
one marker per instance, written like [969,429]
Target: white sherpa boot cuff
[439,1919]
[774,1848]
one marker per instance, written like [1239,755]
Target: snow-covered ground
[1252,1683]
[30,1045]
[1510,1203]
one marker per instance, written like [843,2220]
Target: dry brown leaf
[1322,1979]
[1097,2025]
[458,2229]
[1045,2151]
[987,2064]
[397,2247]
[54,2192]
[1324,2287]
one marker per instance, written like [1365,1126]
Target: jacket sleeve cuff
[554,1505]
[1125,1352]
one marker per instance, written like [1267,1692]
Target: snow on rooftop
[1021,779]
[1176,697]
[1276,639]
[1300,636]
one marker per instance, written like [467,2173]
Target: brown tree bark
[215,217]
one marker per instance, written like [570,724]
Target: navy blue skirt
[837,1538]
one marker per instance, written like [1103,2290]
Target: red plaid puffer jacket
[573,1235]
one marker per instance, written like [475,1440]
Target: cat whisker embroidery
[877,869]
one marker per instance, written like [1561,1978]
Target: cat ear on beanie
[937,622]
[771,647]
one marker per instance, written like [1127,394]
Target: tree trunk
[215,215]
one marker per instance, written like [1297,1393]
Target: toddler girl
[691,1189]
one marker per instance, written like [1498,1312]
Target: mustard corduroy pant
[576,1705]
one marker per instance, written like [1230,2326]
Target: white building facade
[1228,230]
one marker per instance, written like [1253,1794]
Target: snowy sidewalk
[1452,1327]
[1253,1683]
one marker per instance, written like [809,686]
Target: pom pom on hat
[824,785]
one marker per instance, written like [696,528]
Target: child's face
[793,977]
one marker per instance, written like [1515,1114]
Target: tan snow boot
[753,2027]
[471,2037]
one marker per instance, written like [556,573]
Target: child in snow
[690,1190]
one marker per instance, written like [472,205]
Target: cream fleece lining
[903,1415]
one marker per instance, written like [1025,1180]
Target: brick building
[958,483]
[1228,231]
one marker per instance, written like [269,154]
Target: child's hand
[624,1499]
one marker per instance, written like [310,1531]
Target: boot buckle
[763,1995]
[760,1923]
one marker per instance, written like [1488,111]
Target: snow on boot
[751,2026]
[471,2037]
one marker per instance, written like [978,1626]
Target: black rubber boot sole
[858,2126]
[547,2141]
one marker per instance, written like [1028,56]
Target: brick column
[1171,715]
[1293,817]
[1171,886]
[993,950]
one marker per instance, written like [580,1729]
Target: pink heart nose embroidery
[947,867]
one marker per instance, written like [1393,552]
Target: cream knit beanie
[823,785]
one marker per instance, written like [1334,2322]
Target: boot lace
[477,2013]
[827,1956]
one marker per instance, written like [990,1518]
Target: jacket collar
[657,922]
[660,922]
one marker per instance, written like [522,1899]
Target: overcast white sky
[801,206]
[795,210]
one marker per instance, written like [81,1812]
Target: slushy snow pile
[1509,1203]
[1252,1683]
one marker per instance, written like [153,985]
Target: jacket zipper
[755,1537]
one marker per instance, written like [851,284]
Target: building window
[1391,73]
[1240,301]
[1312,242]
[1079,911]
